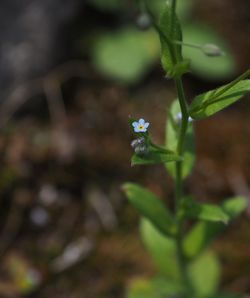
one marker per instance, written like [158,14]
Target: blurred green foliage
[127,54]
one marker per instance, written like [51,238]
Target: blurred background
[71,73]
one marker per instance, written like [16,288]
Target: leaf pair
[203,267]
[152,208]
[204,232]
[203,273]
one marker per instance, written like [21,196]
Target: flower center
[141,126]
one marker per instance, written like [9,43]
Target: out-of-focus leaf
[150,206]
[154,157]
[126,55]
[213,101]
[172,138]
[203,233]
[207,212]
[167,32]
[161,248]
[228,295]
[204,273]
[142,288]
[209,68]
[183,7]
[235,206]
[153,288]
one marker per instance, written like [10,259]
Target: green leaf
[203,233]
[142,288]
[228,295]
[172,131]
[153,288]
[167,35]
[235,206]
[126,55]
[183,7]
[208,212]
[206,67]
[214,101]
[161,248]
[150,206]
[204,273]
[179,69]
[154,157]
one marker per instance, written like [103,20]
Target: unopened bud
[143,21]
[141,150]
[137,142]
[212,50]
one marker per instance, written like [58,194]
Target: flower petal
[146,125]
[137,129]
[141,121]
[135,123]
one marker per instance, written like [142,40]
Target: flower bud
[212,50]
[141,150]
[143,21]
[137,142]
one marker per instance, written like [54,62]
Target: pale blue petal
[136,129]
[141,121]
[135,123]
[146,125]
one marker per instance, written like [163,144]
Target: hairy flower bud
[212,50]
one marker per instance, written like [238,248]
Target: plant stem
[179,181]
[179,164]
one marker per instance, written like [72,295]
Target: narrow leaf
[216,100]
[208,212]
[150,206]
[154,157]
[172,131]
[171,53]
[203,233]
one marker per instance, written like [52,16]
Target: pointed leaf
[154,157]
[203,233]
[172,131]
[161,248]
[167,33]
[213,101]
[208,212]
[150,206]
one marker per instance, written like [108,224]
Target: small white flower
[140,126]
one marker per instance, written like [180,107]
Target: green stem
[187,44]
[179,181]
[179,165]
